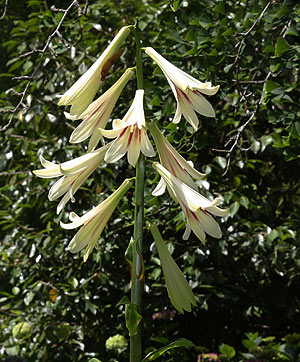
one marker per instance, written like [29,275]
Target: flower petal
[82,92]
[134,148]
[160,188]
[118,147]
[146,146]
[201,105]
[185,194]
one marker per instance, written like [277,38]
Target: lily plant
[129,134]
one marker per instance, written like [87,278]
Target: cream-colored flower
[180,293]
[130,133]
[195,206]
[98,113]
[82,92]
[187,91]
[73,173]
[94,221]
[173,161]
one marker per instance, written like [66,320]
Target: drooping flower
[94,221]
[187,91]
[179,291]
[195,206]
[98,113]
[173,161]
[130,133]
[73,173]
[82,92]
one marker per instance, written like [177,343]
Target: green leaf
[272,235]
[175,4]
[234,208]
[12,351]
[228,67]
[15,290]
[28,297]
[255,145]
[268,49]
[220,8]
[292,30]
[132,318]
[270,86]
[227,350]
[244,201]
[228,32]
[265,141]
[129,253]
[182,342]
[155,101]
[221,161]
[124,300]
[281,46]
[74,282]
[94,360]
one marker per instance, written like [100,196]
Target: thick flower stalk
[130,133]
[94,221]
[180,293]
[73,173]
[98,113]
[83,91]
[187,91]
[195,206]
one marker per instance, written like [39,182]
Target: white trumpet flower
[194,205]
[98,113]
[187,91]
[130,134]
[73,173]
[82,92]
[173,161]
[94,221]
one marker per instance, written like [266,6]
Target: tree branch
[4,10]
[42,51]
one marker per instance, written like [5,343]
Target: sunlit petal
[131,134]
[93,222]
[186,91]
[98,113]
[82,92]
[74,173]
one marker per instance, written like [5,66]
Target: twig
[85,7]
[55,10]
[31,52]
[79,9]
[242,42]
[240,130]
[42,51]
[4,10]
[235,139]
[66,44]
[6,173]
[47,284]
[21,77]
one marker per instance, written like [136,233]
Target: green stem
[137,268]
[139,65]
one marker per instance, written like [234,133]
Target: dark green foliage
[248,280]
